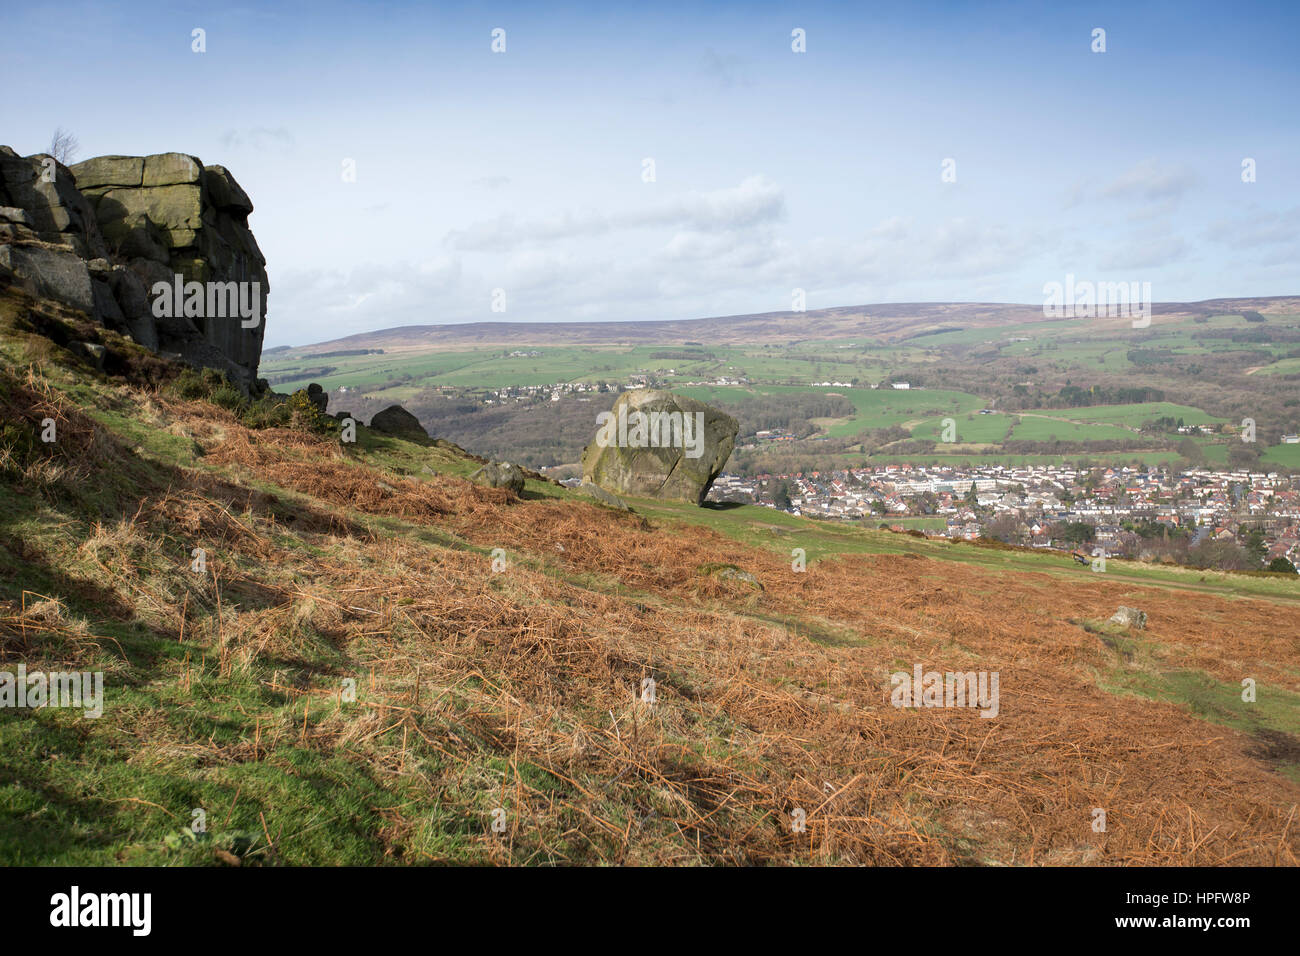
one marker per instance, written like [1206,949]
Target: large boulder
[654,444]
[395,420]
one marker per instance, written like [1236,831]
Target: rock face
[395,420]
[655,444]
[500,474]
[99,235]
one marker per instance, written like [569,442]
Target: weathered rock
[732,572]
[46,191]
[224,193]
[167,215]
[500,474]
[655,444]
[133,299]
[606,498]
[395,420]
[169,169]
[109,171]
[1130,617]
[51,273]
[138,221]
[15,215]
[106,307]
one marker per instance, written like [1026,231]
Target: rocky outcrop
[655,444]
[107,234]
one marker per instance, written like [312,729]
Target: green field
[496,368]
[875,407]
[1288,456]
[1131,415]
[1001,458]
[1035,428]
[970,428]
[1286,366]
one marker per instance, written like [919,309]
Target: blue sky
[774,170]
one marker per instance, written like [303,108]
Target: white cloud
[1145,254]
[1149,180]
[258,138]
[754,201]
[1257,228]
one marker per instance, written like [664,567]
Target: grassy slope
[520,690]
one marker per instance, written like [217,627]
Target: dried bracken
[516,678]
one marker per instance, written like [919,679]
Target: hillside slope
[499,649]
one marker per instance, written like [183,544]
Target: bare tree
[63,146]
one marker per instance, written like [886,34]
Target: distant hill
[887,321]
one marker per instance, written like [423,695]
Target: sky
[514,185]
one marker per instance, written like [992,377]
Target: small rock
[317,396]
[606,498]
[16,215]
[500,474]
[730,572]
[94,352]
[1130,617]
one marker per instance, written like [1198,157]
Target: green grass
[969,428]
[1286,366]
[1131,415]
[1034,428]
[494,367]
[1144,667]
[778,531]
[1287,456]
[874,408]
